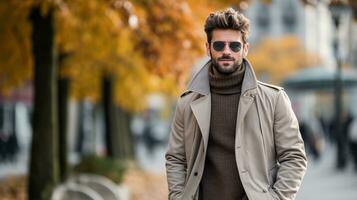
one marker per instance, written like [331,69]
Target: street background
[88,90]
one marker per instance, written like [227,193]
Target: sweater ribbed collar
[226,83]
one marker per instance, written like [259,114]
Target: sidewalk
[17,167]
[322,181]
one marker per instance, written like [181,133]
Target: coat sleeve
[176,165]
[289,148]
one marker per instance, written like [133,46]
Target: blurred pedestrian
[347,120]
[232,136]
[310,140]
[325,127]
[352,138]
[149,140]
[341,138]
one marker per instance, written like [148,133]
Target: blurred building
[15,119]
[15,130]
[311,24]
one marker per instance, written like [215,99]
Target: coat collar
[200,82]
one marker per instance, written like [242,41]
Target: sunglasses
[220,45]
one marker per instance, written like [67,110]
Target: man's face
[225,51]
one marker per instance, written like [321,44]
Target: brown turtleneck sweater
[220,178]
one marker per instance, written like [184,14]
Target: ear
[245,50]
[208,49]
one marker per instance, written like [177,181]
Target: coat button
[195,174]
[265,190]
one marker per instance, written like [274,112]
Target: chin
[226,70]
[226,67]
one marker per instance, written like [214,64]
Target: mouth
[226,59]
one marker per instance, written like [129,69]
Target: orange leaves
[15,51]
[147,45]
[278,57]
[168,37]
[99,41]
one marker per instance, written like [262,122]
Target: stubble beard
[225,69]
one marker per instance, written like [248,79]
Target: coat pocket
[272,174]
[272,179]
[273,194]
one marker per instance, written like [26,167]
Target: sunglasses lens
[218,46]
[235,46]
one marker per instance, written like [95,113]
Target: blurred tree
[63,87]
[44,158]
[62,96]
[16,61]
[149,43]
[279,57]
[109,115]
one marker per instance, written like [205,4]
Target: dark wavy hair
[227,19]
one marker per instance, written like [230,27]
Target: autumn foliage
[145,45]
[15,53]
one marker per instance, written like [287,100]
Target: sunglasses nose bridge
[226,48]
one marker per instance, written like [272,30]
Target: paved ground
[322,181]
[154,160]
[19,166]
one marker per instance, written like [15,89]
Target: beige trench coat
[269,150]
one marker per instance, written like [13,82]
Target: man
[233,137]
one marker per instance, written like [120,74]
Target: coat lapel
[245,102]
[249,90]
[201,109]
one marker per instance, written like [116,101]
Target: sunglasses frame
[230,43]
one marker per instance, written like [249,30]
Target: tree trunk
[63,86]
[125,142]
[117,131]
[131,151]
[43,164]
[109,115]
